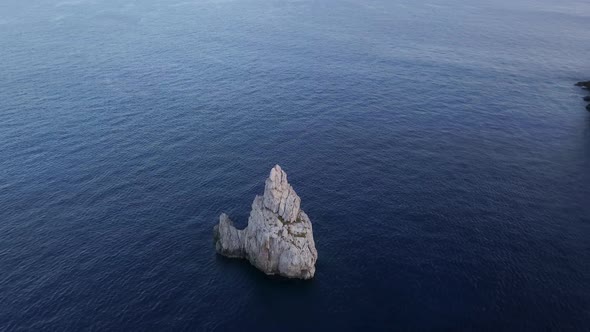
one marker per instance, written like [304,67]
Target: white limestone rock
[233,244]
[278,239]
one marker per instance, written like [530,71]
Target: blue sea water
[439,147]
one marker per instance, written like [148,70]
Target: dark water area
[440,149]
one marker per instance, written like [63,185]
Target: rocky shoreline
[585,85]
[278,239]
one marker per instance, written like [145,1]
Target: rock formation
[278,239]
[585,85]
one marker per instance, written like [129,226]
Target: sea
[439,147]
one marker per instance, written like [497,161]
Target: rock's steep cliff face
[278,239]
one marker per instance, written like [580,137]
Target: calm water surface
[439,147]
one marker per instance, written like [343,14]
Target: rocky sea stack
[278,239]
[585,85]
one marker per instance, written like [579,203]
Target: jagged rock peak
[279,196]
[278,238]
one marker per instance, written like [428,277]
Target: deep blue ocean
[440,148]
